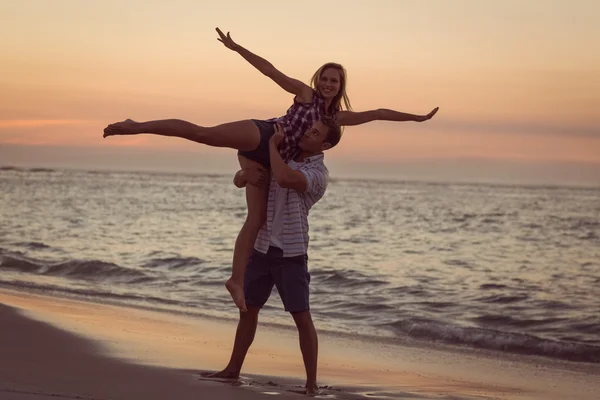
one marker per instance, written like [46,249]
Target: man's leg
[309,345]
[292,279]
[244,337]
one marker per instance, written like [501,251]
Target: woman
[251,139]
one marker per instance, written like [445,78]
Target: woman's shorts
[261,153]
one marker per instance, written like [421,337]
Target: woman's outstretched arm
[348,118]
[291,85]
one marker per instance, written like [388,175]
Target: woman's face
[329,83]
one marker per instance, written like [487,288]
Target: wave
[347,279]
[41,170]
[503,299]
[498,320]
[173,262]
[459,263]
[490,339]
[33,245]
[73,269]
[88,292]
[488,286]
[27,169]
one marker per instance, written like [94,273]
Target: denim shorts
[289,274]
[261,153]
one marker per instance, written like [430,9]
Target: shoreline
[347,366]
[390,339]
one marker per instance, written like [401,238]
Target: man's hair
[334,131]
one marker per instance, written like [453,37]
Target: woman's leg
[240,135]
[256,199]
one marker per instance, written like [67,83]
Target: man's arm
[285,176]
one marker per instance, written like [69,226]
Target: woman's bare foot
[126,127]
[225,374]
[236,290]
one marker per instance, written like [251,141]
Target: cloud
[517,127]
[36,123]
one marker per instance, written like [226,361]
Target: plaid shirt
[296,121]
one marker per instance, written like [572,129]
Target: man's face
[314,138]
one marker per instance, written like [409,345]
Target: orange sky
[513,80]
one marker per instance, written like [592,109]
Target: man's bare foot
[312,390]
[236,290]
[121,128]
[225,374]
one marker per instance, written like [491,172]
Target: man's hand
[277,137]
[253,176]
[238,179]
[227,40]
[422,118]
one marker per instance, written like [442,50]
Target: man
[280,251]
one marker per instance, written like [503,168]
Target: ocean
[507,268]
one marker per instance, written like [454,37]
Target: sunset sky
[517,82]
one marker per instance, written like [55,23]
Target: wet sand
[65,348]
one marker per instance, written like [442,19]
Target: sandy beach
[68,348]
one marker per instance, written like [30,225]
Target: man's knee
[303,319]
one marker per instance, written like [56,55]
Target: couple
[272,244]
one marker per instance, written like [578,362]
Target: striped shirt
[296,121]
[293,211]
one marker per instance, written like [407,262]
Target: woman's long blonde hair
[336,103]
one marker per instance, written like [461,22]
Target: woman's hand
[227,40]
[422,118]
